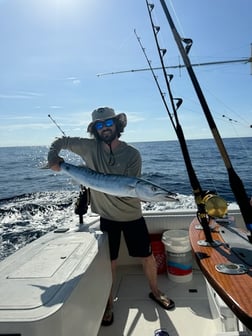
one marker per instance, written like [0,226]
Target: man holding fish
[105,153]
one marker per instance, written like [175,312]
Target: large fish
[118,185]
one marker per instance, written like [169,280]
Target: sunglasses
[106,123]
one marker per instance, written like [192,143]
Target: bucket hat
[103,113]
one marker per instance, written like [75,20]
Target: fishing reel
[215,206]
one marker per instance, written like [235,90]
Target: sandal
[108,317]
[163,301]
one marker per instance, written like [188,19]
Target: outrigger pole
[234,180]
[204,199]
[244,60]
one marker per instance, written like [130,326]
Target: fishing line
[243,121]
[162,94]
[177,18]
[233,124]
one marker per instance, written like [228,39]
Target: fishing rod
[235,182]
[244,60]
[57,125]
[203,199]
[82,202]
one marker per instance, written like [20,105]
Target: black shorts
[135,233]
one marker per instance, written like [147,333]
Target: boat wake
[27,217]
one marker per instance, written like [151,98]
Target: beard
[107,135]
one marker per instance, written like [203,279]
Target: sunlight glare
[64,8]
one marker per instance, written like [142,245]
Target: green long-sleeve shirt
[127,161]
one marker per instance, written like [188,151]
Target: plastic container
[158,251]
[178,255]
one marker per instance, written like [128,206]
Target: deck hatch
[45,263]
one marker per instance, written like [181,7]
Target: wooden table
[235,290]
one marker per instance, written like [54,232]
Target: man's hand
[55,165]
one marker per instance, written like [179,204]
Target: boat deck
[135,314]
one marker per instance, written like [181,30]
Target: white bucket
[178,255]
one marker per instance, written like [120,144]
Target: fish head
[147,191]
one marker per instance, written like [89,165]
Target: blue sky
[52,51]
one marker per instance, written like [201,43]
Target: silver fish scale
[118,185]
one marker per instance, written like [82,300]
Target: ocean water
[35,200]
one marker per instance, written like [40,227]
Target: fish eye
[154,188]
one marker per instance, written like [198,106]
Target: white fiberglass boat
[59,284]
